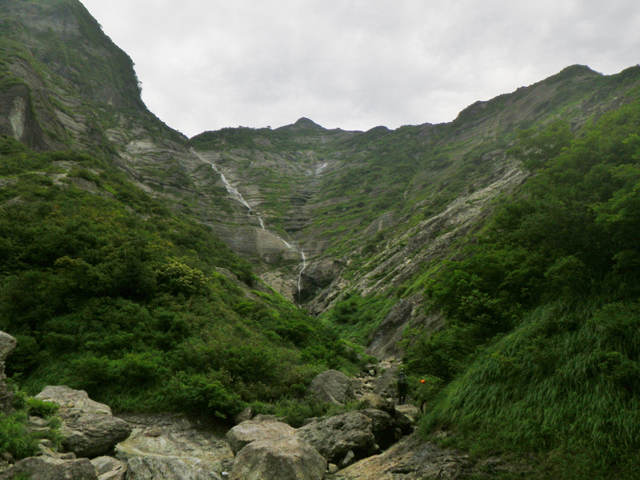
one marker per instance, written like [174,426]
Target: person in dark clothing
[403,387]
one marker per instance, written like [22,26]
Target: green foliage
[534,148]
[540,352]
[204,395]
[15,436]
[125,298]
[355,317]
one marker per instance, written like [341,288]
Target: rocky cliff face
[319,212]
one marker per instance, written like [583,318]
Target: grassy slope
[541,352]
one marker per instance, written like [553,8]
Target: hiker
[403,387]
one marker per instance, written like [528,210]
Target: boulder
[332,386]
[7,346]
[47,468]
[284,458]
[245,433]
[244,416]
[165,468]
[384,427]
[407,417]
[385,384]
[108,468]
[196,442]
[412,459]
[335,436]
[371,400]
[88,428]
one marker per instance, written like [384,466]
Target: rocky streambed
[375,442]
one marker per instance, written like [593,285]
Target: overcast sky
[355,64]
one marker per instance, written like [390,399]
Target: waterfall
[304,265]
[236,195]
[231,190]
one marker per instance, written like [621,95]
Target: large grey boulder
[47,468]
[285,458]
[335,436]
[165,468]
[332,386]
[250,431]
[384,427]
[88,428]
[7,346]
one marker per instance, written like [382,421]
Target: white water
[238,197]
[231,190]
[304,265]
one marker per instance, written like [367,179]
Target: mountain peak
[304,124]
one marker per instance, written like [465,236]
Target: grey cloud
[355,64]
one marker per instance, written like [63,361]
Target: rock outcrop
[47,468]
[109,468]
[250,431]
[384,427]
[162,468]
[410,459]
[89,429]
[332,386]
[284,458]
[335,436]
[161,444]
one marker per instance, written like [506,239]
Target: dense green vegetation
[107,292]
[541,350]
[15,436]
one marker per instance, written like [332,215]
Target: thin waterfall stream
[236,195]
[304,265]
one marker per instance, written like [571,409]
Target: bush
[204,395]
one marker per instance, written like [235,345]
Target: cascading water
[233,191]
[304,265]
[235,194]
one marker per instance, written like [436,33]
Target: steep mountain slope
[502,246]
[106,286]
[320,213]
[374,211]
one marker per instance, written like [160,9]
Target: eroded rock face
[284,458]
[335,436]
[47,468]
[247,432]
[89,429]
[332,386]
